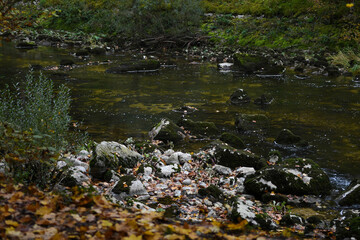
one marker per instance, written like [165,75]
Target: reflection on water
[324,111]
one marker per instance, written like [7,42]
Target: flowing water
[324,111]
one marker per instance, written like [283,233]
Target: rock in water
[351,195]
[239,97]
[140,66]
[167,131]
[199,128]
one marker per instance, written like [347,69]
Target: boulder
[140,66]
[167,131]
[222,170]
[246,122]
[178,157]
[351,195]
[233,158]
[296,176]
[287,137]
[263,100]
[232,140]
[239,97]
[75,176]
[199,128]
[26,45]
[111,156]
[242,209]
[251,64]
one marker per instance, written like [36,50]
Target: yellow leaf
[11,223]
[349,5]
[106,223]
[10,232]
[43,211]
[133,237]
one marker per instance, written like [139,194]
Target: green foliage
[347,58]
[137,18]
[34,106]
[26,159]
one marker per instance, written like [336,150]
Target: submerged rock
[232,140]
[167,131]
[140,66]
[287,137]
[26,45]
[296,176]
[239,97]
[199,128]
[246,122]
[110,156]
[66,62]
[351,195]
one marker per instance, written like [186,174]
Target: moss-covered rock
[123,185]
[239,97]
[351,195]
[228,156]
[290,220]
[232,140]
[294,176]
[109,156]
[348,228]
[246,122]
[199,128]
[167,131]
[139,66]
[252,64]
[287,137]
[172,212]
[213,192]
[167,200]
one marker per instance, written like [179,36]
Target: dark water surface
[324,111]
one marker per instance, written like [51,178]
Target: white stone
[177,193]
[268,183]
[61,164]
[244,209]
[187,181]
[80,169]
[169,152]
[137,188]
[166,171]
[222,169]
[207,202]
[187,167]
[245,171]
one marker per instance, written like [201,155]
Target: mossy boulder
[213,192]
[239,97]
[348,228]
[167,131]
[232,140]
[290,220]
[287,137]
[123,185]
[26,45]
[248,122]
[351,195]
[296,176]
[199,128]
[228,156]
[255,64]
[109,156]
[139,66]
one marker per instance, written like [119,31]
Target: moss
[211,191]
[172,212]
[167,200]
[288,137]
[268,197]
[123,184]
[348,198]
[169,132]
[141,169]
[245,122]
[232,140]
[199,128]
[290,220]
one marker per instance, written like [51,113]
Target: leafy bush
[34,106]
[125,18]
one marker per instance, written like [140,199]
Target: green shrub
[34,106]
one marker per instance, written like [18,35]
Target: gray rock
[137,188]
[187,181]
[75,176]
[178,157]
[239,97]
[187,167]
[245,171]
[167,131]
[351,195]
[222,170]
[243,209]
[167,171]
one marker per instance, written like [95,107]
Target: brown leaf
[43,211]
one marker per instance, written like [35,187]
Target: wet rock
[186,109]
[351,195]
[244,171]
[222,170]
[82,53]
[263,100]
[242,209]
[123,185]
[274,157]
[75,176]
[66,62]
[287,137]
[167,131]
[140,66]
[225,66]
[294,176]
[97,51]
[332,71]
[26,45]
[110,156]
[239,97]
[36,67]
[233,158]
[348,228]
[232,140]
[291,220]
[250,64]
[246,122]
[213,192]
[199,128]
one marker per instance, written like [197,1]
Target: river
[322,110]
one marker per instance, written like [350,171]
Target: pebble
[187,181]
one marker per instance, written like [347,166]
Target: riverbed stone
[252,64]
[231,157]
[167,131]
[110,156]
[139,66]
[248,122]
[239,97]
[296,176]
[123,185]
[199,128]
[351,195]
[287,137]
[232,140]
